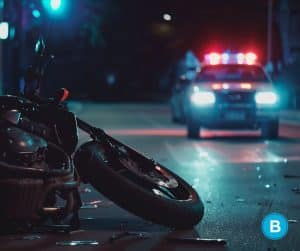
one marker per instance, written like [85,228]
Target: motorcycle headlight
[203,98]
[266,98]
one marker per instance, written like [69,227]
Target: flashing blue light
[225,58]
[36,13]
[55,4]
[240,58]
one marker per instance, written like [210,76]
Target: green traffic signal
[55,4]
[55,7]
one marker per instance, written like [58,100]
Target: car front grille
[235,98]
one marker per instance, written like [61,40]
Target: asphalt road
[240,177]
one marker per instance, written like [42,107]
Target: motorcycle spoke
[163,192]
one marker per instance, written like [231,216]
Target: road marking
[148,132]
[214,153]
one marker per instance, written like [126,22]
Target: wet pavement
[239,176]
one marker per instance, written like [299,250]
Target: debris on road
[85,190]
[77,231]
[296,190]
[28,237]
[291,176]
[240,200]
[140,235]
[87,218]
[78,243]
[88,206]
[91,204]
[198,241]
[292,221]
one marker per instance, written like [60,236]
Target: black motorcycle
[41,167]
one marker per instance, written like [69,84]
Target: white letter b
[275,226]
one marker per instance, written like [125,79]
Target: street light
[269,31]
[167,17]
[4,30]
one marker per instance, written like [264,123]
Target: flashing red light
[217,86]
[250,58]
[240,57]
[246,86]
[214,58]
[225,58]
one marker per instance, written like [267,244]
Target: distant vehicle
[231,91]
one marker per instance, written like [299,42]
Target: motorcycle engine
[19,147]
[35,175]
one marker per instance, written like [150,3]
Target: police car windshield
[249,73]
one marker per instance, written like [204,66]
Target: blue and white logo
[274,226]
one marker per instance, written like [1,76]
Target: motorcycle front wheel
[138,184]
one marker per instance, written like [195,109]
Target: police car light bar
[215,58]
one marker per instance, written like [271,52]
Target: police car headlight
[266,98]
[203,98]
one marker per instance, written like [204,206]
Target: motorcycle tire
[175,205]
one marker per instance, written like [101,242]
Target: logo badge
[274,226]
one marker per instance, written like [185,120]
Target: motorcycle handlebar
[94,132]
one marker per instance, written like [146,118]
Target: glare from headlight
[266,98]
[203,98]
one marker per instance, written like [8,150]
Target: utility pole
[269,31]
[1,49]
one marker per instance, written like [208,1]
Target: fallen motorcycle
[41,167]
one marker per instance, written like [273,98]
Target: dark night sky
[139,46]
[220,25]
[201,25]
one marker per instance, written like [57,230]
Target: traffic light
[36,13]
[55,7]
[55,4]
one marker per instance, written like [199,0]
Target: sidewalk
[290,117]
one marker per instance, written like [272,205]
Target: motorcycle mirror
[40,46]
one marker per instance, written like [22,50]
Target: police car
[231,91]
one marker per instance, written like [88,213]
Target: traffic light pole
[1,50]
[269,31]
